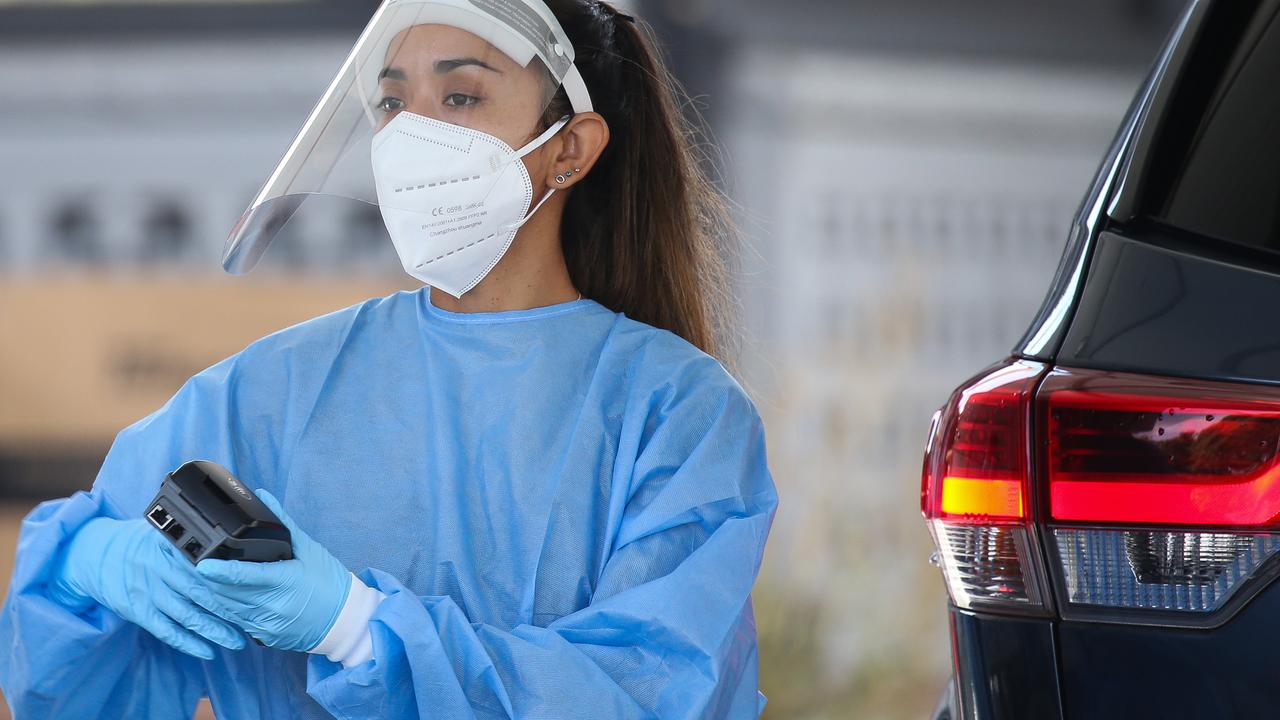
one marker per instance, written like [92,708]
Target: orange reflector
[990,498]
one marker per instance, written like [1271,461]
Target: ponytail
[641,233]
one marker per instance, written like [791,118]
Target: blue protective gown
[566,508]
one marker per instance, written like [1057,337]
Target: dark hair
[643,233]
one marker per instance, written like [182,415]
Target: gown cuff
[349,641]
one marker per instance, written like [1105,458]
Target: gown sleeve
[63,662]
[668,633]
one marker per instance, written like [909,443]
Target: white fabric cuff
[349,641]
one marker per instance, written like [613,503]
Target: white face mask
[452,198]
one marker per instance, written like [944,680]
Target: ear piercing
[566,175]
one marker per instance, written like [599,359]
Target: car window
[1218,170]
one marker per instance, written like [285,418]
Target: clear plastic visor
[493,66]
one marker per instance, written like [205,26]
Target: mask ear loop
[534,145]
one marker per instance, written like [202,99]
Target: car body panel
[1007,667]
[1144,303]
[1123,672]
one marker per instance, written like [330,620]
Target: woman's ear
[582,141]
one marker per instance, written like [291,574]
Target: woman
[528,491]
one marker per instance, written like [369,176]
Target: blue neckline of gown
[501,316]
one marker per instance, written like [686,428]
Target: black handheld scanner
[207,513]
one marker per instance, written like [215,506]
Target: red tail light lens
[1135,449]
[976,463]
[976,495]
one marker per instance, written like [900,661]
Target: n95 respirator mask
[452,197]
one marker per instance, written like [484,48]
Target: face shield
[465,83]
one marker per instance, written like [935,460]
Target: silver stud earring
[566,175]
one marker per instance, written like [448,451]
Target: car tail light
[976,492]
[1164,493]
[1157,499]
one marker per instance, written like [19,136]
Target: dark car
[1106,501]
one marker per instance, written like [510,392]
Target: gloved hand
[287,604]
[127,566]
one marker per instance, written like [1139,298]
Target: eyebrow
[444,66]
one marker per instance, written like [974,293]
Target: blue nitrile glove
[287,604]
[131,569]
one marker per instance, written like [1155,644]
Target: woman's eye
[459,100]
[390,104]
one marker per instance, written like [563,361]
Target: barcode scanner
[207,513]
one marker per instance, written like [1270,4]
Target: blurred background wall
[904,172]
